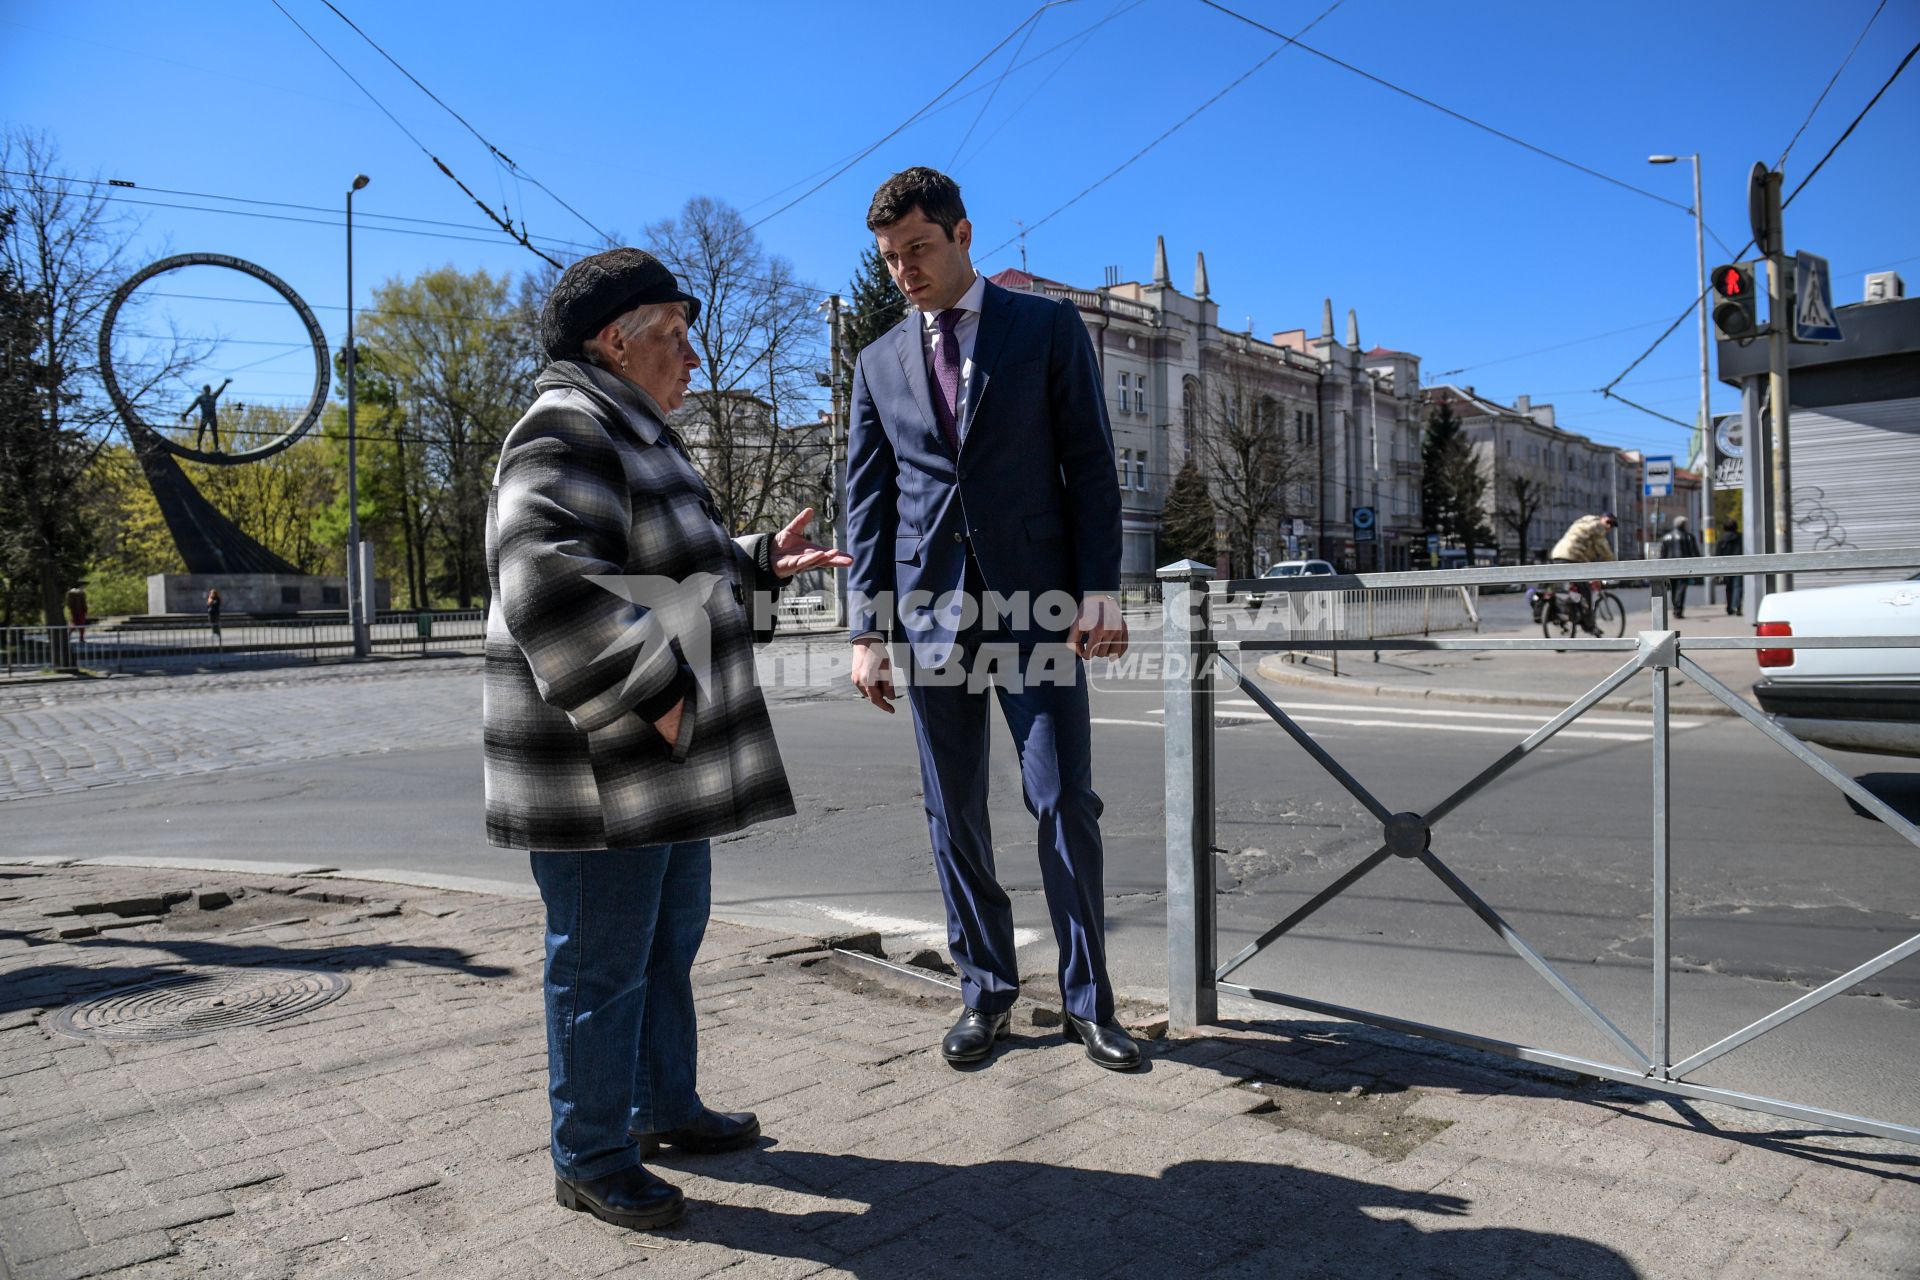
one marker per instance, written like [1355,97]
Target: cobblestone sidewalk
[400,1129]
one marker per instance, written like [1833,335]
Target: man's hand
[873,672]
[669,724]
[1099,631]
[793,553]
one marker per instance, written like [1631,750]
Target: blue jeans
[623,926]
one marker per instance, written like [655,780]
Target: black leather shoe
[973,1035]
[631,1198]
[1107,1045]
[711,1131]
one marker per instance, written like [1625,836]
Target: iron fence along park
[1199,658]
[158,644]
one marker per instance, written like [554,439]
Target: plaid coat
[590,482]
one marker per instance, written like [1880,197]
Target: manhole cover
[192,1004]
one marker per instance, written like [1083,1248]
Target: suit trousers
[623,927]
[1042,691]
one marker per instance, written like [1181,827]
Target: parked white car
[1292,569]
[1853,699]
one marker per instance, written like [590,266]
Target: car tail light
[1774,657]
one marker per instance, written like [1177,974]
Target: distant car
[1292,569]
[1852,699]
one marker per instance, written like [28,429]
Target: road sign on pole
[1813,318]
[1657,479]
[1363,524]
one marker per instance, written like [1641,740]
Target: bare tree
[62,255]
[1520,496]
[760,345]
[1252,463]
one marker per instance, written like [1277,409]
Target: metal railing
[1199,657]
[103,645]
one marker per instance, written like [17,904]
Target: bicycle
[1560,613]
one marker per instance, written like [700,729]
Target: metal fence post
[1662,850]
[1187,684]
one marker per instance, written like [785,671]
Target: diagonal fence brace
[1307,744]
[1519,945]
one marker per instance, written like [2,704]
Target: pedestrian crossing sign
[1813,318]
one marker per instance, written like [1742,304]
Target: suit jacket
[1031,489]
[592,484]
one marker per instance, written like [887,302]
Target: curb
[296,871]
[1279,672]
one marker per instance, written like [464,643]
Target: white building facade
[1346,422]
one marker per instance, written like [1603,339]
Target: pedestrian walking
[1678,543]
[1732,543]
[77,611]
[213,612]
[959,502]
[623,725]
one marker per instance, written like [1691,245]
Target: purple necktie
[946,375]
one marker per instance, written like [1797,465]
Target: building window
[1140,470]
[1126,392]
[1309,428]
[290,595]
[1140,394]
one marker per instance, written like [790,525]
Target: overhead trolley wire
[1402,90]
[519,235]
[1821,163]
[1835,79]
[1175,128]
[503,157]
[901,127]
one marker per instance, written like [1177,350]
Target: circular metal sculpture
[159,438]
[197,1003]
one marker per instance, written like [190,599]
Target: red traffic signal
[1736,315]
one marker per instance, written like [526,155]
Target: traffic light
[1736,308]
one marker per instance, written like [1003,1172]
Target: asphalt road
[1779,883]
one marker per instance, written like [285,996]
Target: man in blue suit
[984,517]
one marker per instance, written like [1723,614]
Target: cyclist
[1585,542]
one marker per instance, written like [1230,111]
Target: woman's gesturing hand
[793,552]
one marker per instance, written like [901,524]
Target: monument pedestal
[256,593]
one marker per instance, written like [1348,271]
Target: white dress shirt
[966,330]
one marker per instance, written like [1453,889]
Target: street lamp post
[1709,447]
[356,580]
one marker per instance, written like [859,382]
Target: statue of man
[209,414]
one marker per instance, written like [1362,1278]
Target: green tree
[1187,520]
[457,351]
[1438,508]
[874,305]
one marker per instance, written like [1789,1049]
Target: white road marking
[899,927]
[1503,730]
[1448,713]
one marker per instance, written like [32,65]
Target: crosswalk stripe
[1451,714]
[1507,731]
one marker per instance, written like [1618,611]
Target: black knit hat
[596,289]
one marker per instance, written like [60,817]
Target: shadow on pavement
[51,985]
[1899,791]
[1330,1057]
[1010,1218]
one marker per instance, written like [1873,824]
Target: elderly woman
[624,727]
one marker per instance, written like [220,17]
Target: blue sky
[1306,181]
